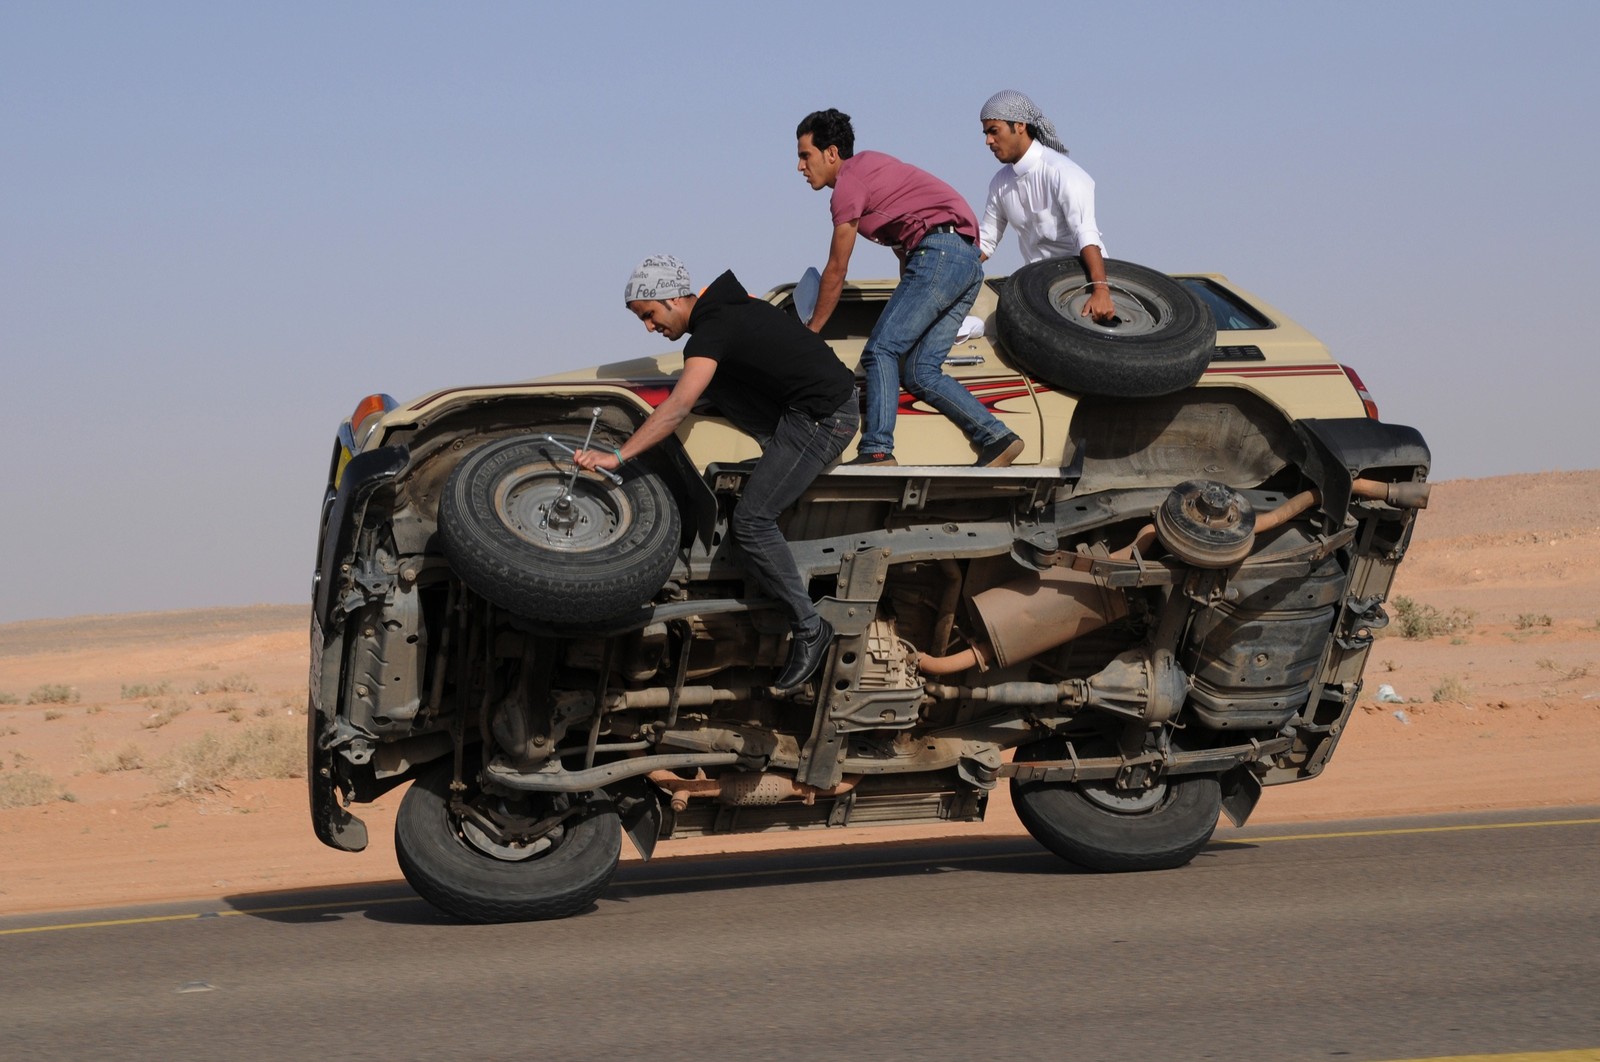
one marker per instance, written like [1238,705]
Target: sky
[222,224]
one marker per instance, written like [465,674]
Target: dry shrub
[53,693]
[1417,620]
[261,750]
[1529,620]
[25,788]
[9,698]
[130,757]
[231,684]
[53,713]
[1450,688]
[164,714]
[141,691]
[1561,671]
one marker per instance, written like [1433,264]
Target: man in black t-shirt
[774,378]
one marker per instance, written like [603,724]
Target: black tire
[608,555]
[1160,342]
[1069,820]
[460,877]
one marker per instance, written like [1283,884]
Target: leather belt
[947,227]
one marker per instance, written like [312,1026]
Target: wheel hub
[1137,312]
[1206,524]
[1125,801]
[506,852]
[538,507]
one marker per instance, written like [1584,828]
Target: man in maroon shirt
[934,233]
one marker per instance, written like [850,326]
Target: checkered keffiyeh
[1008,105]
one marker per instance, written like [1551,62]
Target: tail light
[372,408]
[354,433]
[1362,392]
[652,394]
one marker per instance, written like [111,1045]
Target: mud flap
[1241,789]
[639,807]
[334,826]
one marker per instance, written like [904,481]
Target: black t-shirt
[759,348]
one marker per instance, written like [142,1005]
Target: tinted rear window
[1232,313]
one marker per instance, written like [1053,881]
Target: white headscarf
[1008,105]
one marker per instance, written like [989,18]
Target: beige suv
[1163,607]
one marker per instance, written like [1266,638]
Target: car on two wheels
[1162,608]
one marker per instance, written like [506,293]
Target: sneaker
[864,458]
[805,656]
[999,453]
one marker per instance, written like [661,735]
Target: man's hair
[829,128]
[1033,130]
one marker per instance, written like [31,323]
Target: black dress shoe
[805,656]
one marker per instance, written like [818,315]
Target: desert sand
[1501,712]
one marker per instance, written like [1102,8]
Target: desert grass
[1561,671]
[260,750]
[1526,621]
[230,684]
[53,693]
[23,787]
[143,691]
[126,757]
[164,713]
[9,698]
[53,713]
[1450,688]
[1416,620]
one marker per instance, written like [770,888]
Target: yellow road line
[1582,1054]
[196,915]
[880,865]
[1399,831]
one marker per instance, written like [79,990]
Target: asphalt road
[1369,940]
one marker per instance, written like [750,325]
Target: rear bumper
[343,513]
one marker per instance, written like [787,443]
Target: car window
[1232,313]
[852,318]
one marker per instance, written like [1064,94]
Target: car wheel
[457,864]
[1159,342]
[1101,828]
[516,536]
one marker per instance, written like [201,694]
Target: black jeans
[794,451]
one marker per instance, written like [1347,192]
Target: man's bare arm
[662,422]
[1099,305]
[844,242]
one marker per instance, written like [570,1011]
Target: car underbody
[1174,615]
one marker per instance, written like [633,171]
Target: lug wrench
[606,472]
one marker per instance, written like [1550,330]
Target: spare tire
[1160,341]
[602,552]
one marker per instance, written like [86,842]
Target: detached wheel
[516,536]
[1160,341]
[1101,828]
[473,867]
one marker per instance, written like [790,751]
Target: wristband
[617,453]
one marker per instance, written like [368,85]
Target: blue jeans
[914,333]
[796,451]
